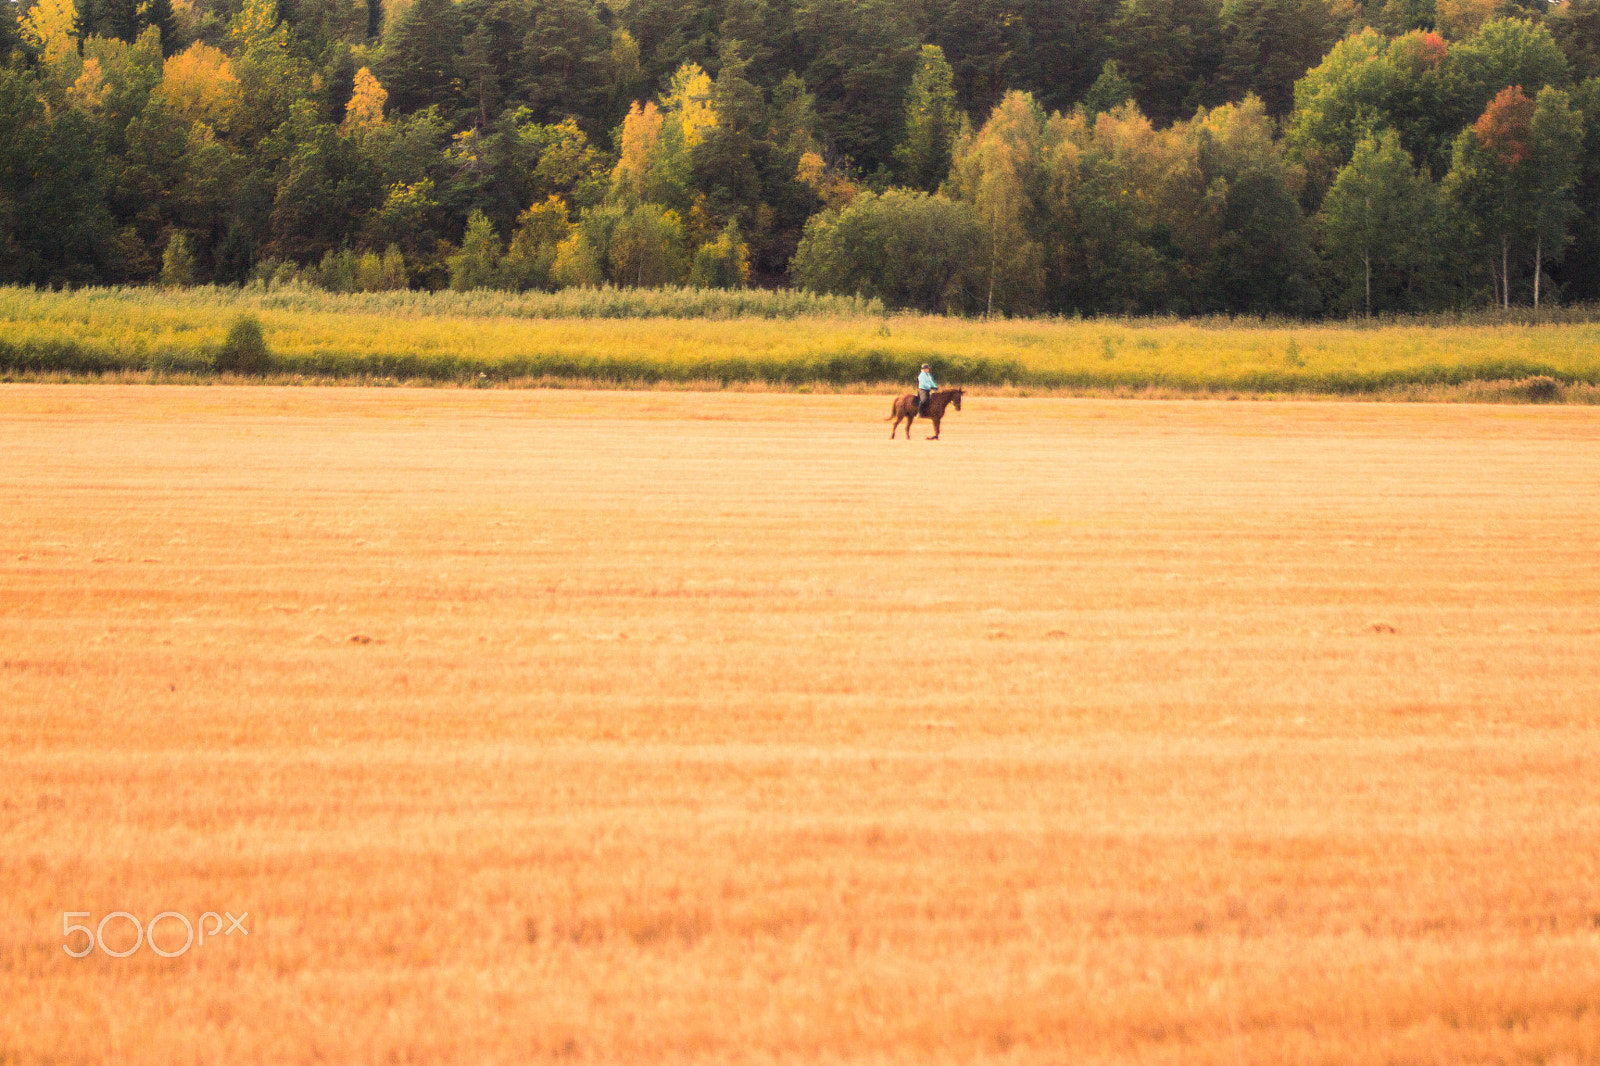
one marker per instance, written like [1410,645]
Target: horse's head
[957,400]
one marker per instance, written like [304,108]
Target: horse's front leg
[936,421]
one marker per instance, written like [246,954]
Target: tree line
[968,156]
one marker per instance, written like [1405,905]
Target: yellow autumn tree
[633,179]
[992,170]
[257,27]
[688,103]
[653,165]
[198,85]
[90,90]
[834,189]
[48,28]
[365,111]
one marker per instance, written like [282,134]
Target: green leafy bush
[244,351]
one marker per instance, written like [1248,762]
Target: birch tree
[1378,218]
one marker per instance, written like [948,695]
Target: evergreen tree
[1575,27]
[1066,46]
[1169,50]
[931,123]
[10,33]
[857,59]
[125,20]
[981,42]
[566,57]
[1109,91]
[727,160]
[419,60]
[1269,45]
[55,227]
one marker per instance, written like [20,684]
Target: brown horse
[906,408]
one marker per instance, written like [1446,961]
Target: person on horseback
[925,387]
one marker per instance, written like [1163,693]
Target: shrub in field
[1542,388]
[244,351]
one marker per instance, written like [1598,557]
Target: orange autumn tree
[365,110]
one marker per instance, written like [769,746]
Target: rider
[925,387]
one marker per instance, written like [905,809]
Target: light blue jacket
[925,381]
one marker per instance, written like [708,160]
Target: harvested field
[665,727]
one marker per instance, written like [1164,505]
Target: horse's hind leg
[895,427]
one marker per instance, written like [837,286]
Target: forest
[1008,157]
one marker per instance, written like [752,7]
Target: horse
[906,408]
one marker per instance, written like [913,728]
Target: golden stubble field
[665,727]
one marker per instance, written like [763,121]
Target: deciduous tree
[365,110]
[1511,182]
[198,85]
[477,265]
[906,248]
[1380,221]
[997,171]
